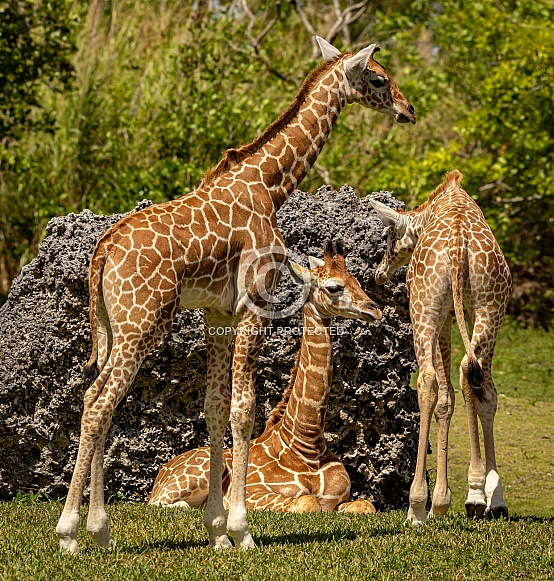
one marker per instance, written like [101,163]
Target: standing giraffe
[455,264]
[290,467]
[210,249]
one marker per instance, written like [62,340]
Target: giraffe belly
[193,297]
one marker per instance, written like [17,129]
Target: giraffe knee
[427,376]
[445,405]
[242,421]
[426,387]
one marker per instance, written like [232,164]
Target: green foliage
[506,133]
[36,44]
[33,497]
[115,498]
[27,497]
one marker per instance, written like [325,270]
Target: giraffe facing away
[290,467]
[456,268]
[211,249]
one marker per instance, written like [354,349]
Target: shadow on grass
[531,519]
[267,540]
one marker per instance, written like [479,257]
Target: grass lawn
[155,543]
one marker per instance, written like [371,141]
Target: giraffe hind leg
[97,521]
[100,400]
[485,339]
[475,503]
[125,368]
[184,481]
[68,523]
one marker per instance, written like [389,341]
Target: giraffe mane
[234,157]
[278,412]
[452,177]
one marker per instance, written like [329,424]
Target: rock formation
[45,340]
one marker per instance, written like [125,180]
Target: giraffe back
[456,249]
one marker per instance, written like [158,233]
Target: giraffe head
[333,289]
[370,84]
[401,240]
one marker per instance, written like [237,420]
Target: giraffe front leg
[219,339]
[444,409]
[359,506]
[262,497]
[248,343]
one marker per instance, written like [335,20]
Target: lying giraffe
[455,264]
[290,467]
[210,249]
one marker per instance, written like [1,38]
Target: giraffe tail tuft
[475,379]
[90,372]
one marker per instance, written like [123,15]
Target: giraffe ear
[327,50]
[299,274]
[356,64]
[390,218]
[315,262]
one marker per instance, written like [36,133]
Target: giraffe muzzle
[406,116]
[381,277]
[372,313]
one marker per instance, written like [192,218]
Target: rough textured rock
[45,340]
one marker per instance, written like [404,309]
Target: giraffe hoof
[360,506]
[497,512]
[222,542]
[437,512]
[246,543]
[66,529]
[475,511]
[416,515]
[102,538]
[69,546]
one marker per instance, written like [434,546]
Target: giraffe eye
[378,82]
[334,290]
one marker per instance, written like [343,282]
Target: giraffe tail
[90,369]
[457,243]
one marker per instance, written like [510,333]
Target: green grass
[161,544]
[168,544]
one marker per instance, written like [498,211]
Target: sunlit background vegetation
[105,103]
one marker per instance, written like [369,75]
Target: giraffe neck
[282,156]
[420,218]
[303,422]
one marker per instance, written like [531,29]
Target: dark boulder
[45,340]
